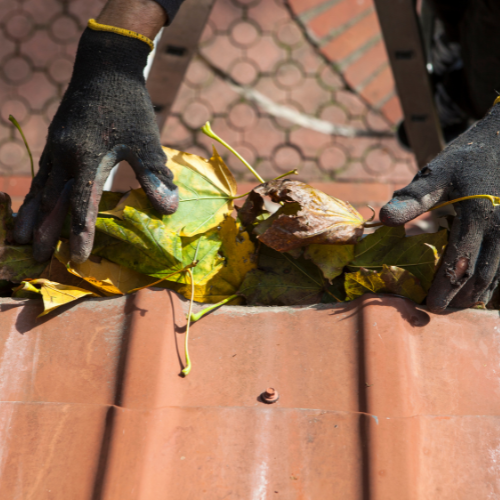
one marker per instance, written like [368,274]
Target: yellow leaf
[239,253]
[108,277]
[54,294]
[331,259]
[391,279]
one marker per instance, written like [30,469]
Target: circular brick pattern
[244,71]
[248,3]
[50,110]
[289,74]
[332,159]
[289,34]
[329,79]
[198,75]
[60,70]
[378,162]
[19,26]
[15,107]
[247,152]
[64,29]
[244,33]
[242,115]
[11,153]
[17,69]
[333,114]
[286,158]
[196,114]
[283,123]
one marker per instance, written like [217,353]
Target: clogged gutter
[310,249]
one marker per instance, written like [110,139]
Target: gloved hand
[468,166]
[105,116]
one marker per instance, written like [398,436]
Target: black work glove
[105,116]
[468,166]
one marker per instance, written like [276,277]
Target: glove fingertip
[398,212]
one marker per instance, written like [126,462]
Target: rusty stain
[92,407]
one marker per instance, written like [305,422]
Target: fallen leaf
[147,245]
[108,277]
[389,246]
[331,259]
[206,191]
[54,294]
[308,216]
[239,258]
[16,261]
[281,280]
[390,279]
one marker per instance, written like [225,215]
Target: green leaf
[206,191]
[331,259]
[281,280]
[390,279]
[389,246]
[145,244]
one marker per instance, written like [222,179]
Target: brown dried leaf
[308,216]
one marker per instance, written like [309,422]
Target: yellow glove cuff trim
[497,100]
[94,25]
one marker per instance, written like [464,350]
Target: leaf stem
[199,315]
[16,124]
[292,172]
[207,130]
[187,369]
[495,200]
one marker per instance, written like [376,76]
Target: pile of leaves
[289,244]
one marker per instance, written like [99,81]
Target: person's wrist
[145,17]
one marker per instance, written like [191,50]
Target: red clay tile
[333,114]
[363,68]
[352,39]
[392,110]
[338,15]
[380,87]
[44,11]
[301,6]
